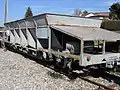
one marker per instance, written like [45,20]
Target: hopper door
[42,37]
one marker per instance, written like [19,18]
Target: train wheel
[116,68]
[2,44]
[40,55]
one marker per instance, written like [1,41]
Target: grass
[55,75]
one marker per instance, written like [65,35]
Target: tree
[84,13]
[77,12]
[115,11]
[28,13]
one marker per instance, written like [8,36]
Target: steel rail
[96,83]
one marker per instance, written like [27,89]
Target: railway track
[114,78]
[100,86]
[63,71]
[96,83]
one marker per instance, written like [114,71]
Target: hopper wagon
[65,40]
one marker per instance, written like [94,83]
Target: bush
[112,25]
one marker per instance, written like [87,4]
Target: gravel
[20,73]
[115,73]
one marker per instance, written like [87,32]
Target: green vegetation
[28,13]
[115,11]
[55,75]
[78,12]
[113,25]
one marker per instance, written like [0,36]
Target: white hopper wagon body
[65,39]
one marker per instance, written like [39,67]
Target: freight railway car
[65,40]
